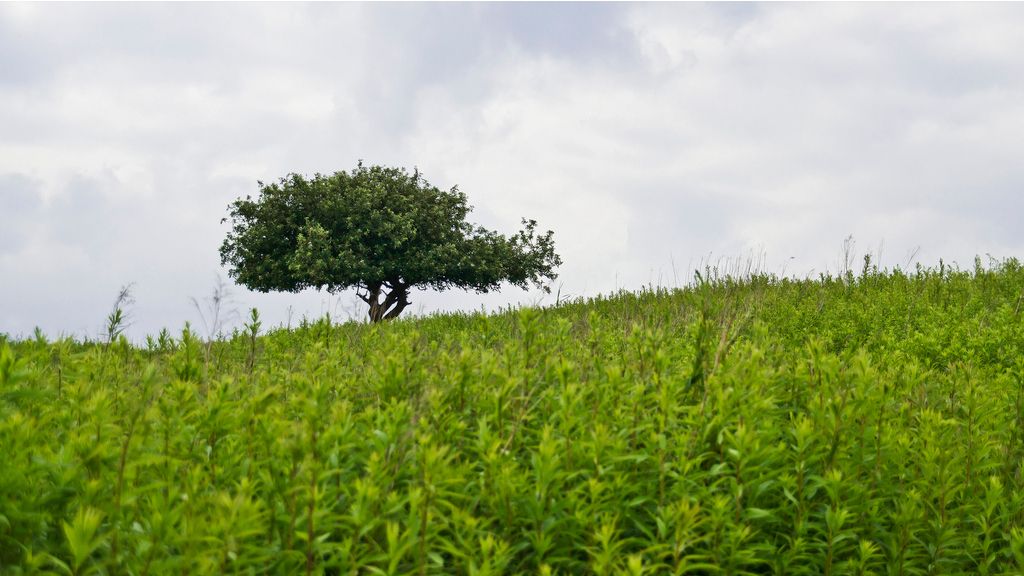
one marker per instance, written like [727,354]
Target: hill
[861,424]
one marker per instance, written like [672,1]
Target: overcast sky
[650,138]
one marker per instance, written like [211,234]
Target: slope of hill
[865,424]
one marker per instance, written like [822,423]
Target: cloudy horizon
[651,138]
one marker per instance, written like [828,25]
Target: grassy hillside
[866,424]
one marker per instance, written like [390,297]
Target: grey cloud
[20,207]
[578,32]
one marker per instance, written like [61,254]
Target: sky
[651,138]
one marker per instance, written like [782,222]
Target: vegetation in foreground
[861,424]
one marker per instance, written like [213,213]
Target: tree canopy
[380,230]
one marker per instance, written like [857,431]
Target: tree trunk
[373,299]
[395,300]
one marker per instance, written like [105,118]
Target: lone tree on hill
[380,230]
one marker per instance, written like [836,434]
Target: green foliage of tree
[380,230]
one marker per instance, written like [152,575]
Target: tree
[380,230]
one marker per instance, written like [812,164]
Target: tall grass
[859,424]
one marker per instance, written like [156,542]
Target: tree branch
[395,301]
[401,302]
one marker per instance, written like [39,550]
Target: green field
[871,423]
